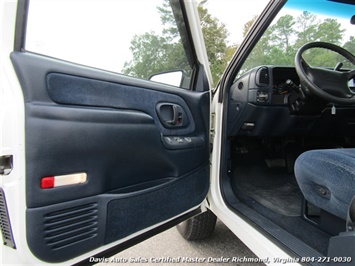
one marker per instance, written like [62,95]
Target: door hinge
[6,164]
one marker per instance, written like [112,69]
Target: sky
[72,30]
[235,13]
[99,32]
[59,28]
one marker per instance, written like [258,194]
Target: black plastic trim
[21,24]
[136,240]
[178,143]
[199,79]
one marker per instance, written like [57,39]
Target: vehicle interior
[284,101]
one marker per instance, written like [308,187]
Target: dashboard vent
[262,76]
[70,226]
[5,222]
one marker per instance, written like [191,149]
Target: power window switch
[188,139]
[247,126]
[168,140]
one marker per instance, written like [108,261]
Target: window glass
[137,38]
[301,22]
[224,24]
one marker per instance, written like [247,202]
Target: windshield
[301,22]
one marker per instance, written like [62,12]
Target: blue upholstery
[67,89]
[327,178]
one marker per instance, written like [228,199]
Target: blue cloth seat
[327,178]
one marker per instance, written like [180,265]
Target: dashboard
[267,85]
[261,103]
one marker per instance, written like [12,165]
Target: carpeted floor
[274,188]
[274,193]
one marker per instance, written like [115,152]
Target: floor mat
[285,199]
[296,226]
[274,188]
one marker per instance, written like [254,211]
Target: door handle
[171,115]
[177,116]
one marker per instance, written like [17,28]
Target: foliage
[307,28]
[280,42]
[350,45]
[215,35]
[248,25]
[154,53]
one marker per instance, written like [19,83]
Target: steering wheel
[329,85]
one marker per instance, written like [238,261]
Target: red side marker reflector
[47,182]
[63,180]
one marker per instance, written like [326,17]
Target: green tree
[215,35]
[307,28]
[230,52]
[168,20]
[248,25]
[281,50]
[275,46]
[350,45]
[281,41]
[329,31]
[282,32]
[153,53]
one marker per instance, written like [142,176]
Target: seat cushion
[327,178]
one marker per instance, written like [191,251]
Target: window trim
[195,66]
[21,25]
[185,31]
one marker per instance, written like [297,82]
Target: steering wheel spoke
[329,85]
[350,74]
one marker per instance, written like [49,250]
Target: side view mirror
[175,78]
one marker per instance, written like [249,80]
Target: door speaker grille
[5,222]
[70,226]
